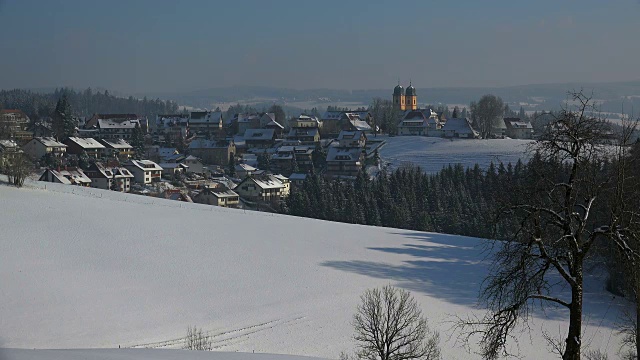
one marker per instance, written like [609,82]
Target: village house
[92,147]
[244,170]
[171,127]
[518,129]
[67,176]
[264,188]
[194,165]
[332,122]
[218,197]
[205,122]
[14,125]
[459,128]
[248,121]
[109,177]
[259,138]
[355,139]
[308,135]
[422,122]
[283,159]
[117,148]
[170,170]
[268,121]
[344,162]
[304,121]
[41,146]
[144,171]
[115,126]
[213,152]
[94,121]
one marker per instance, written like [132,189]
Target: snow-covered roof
[343,154]
[245,167]
[205,117]
[8,144]
[360,125]
[517,123]
[266,182]
[459,126]
[49,142]
[347,135]
[69,176]
[114,124]
[259,134]
[116,144]
[169,166]
[86,143]
[143,164]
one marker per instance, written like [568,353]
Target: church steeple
[411,99]
[398,97]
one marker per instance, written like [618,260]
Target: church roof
[398,90]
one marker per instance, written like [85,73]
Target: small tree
[389,325]
[137,141]
[197,340]
[18,167]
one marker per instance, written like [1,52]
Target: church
[405,100]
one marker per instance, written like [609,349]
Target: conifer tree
[64,125]
[137,141]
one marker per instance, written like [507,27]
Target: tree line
[83,103]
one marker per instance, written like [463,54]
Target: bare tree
[486,114]
[18,166]
[197,340]
[557,231]
[389,326]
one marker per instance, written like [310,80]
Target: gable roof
[516,123]
[116,144]
[459,126]
[347,135]
[49,142]
[143,164]
[68,176]
[86,143]
[259,134]
[344,154]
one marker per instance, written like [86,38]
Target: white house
[144,171]
[40,146]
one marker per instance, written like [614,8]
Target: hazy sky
[158,45]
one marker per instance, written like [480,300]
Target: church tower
[399,98]
[411,100]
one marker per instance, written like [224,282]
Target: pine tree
[232,165]
[64,125]
[137,141]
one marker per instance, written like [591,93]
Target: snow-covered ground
[87,268]
[432,154]
[136,354]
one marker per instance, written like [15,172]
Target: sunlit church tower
[405,100]
[398,97]
[410,98]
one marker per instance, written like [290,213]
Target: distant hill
[538,96]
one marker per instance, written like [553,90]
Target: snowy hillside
[432,154]
[86,268]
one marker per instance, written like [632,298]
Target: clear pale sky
[172,45]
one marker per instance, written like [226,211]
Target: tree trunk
[574,338]
[637,316]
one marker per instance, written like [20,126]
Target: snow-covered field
[87,268]
[432,154]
